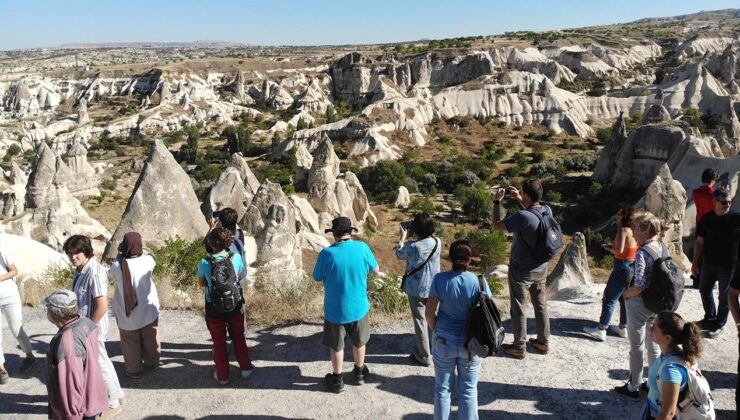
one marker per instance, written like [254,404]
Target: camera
[408,226]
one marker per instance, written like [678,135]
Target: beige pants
[141,344]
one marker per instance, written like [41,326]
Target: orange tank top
[628,254]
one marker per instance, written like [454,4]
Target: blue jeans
[619,281]
[448,357]
[710,274]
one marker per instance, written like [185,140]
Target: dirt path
[572,382]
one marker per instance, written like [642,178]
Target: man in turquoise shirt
[343,267]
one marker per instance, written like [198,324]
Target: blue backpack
[549,235]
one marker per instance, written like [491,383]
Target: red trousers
[217,328]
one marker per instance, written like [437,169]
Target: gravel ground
[574,381]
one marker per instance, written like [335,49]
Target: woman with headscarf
[136,305]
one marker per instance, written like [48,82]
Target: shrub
[428,184]
[694,118]
[178,260]
[476,203]
[445,138]
[490,247]
[14,150]
[521,160]
[381,181]
[594,190]
[109,184]
[386,294]
[593,238]
[604,135]
[423,204]
[538,157]
[552,196]
[59,275]
[304,299]
[513,172]
[605,262]
[330,115]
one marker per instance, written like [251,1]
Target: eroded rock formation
[571,271]
[666,198]
[334,193]
[163,204]
[271,220]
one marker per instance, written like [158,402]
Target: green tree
[191,148]
[275,140]
[381,181]
[476,203]
[331,114]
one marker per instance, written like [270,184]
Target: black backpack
[226,297]
[484,327]
[549,235]
[665,285]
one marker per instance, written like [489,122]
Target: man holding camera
[526,272]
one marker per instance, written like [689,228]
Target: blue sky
[36,23]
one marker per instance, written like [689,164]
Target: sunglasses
[724,203]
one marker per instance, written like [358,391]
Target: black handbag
[416,270]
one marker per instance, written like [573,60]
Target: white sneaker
[224,382]
[247,373]
[618,331]
[595,333]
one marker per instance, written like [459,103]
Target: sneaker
[416,361]
[618,331]
[4,377]
[246,374]
[224,382]
[707,324]
[360,374]
[644,387]
[713,333]
[627,391]
[27,363]
[596,333]
[541,348]
[335,382]
[514,351]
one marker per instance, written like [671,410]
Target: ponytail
[691,343]
[685,334]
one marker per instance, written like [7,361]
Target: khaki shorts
[358,331]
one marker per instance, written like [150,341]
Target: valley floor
[574,381]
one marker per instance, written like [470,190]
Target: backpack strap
[416,270]
[481,285]
[682,393]
[650,252]
[540,228]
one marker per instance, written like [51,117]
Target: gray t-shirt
[523,224]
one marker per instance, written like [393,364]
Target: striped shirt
[89,283]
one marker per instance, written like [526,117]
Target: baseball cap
[61,298]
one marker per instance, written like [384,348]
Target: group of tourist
[79,369]
[635,248]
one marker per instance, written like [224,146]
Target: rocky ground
[574,381]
